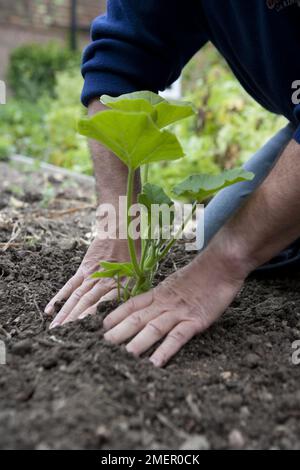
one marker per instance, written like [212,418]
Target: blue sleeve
[140,45]
[297,114]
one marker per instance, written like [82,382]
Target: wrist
[111,217]
[232,255]
[95,106]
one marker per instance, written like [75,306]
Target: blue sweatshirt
[144,44]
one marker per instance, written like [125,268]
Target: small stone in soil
[50,362]
[236,439]
[232,400]
[226,375]
[252,360]
[22,347]
[196,442]
[102,434]
[67,245]
[253,340]
[245,412]
[42,446]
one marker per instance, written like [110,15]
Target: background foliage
[33,67]
[40,120]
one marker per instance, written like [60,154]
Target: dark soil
[232,387]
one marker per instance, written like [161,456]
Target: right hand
[83,294]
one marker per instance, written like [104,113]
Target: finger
[114,293]
[90,311]
[89,299]
[154,331]
[131,325]
[177,338]
[64,293]
[73,301]
[110,296]
[136,303]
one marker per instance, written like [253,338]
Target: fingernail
[107,337]
[48,309]
[131,350]
[155,362]
[82,316]
[105,325]
[53,325]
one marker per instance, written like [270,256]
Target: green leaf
[114,269]
[154,194]
[149,96]
[133,106]
[102,274]
[163,112]
[199,187]
[169,112]
[133,137]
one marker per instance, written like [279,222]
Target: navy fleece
[143,45]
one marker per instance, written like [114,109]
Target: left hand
[182,306]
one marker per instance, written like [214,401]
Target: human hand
[182,306]
[83,294]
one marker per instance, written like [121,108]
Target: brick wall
[27,21]
[44,14]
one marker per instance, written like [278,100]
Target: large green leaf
[199,187]
[133,137]
[163,112]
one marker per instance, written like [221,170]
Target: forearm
[110,172]
[268,221]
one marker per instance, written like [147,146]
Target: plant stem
[144,254]
[131,245]
[119,288]
[146,174]
[178,233]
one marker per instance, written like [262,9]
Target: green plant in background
[134,130]
[47,129]
[22,123]
[65,146]
[5,148]
[40,120]
[33,68]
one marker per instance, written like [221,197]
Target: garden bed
[232,387]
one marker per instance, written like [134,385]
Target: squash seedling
[134,130]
